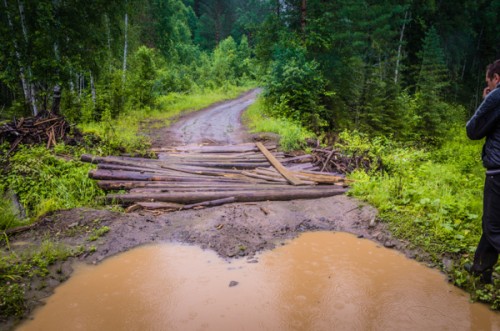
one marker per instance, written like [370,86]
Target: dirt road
[216,125]
[234,231]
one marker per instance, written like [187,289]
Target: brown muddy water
[319,281]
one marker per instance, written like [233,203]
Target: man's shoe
[484,276]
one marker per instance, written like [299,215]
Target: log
[240,196]
[159,205]
[282,170]
[127,185]
[211,203]
[132,175]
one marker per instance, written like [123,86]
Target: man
[486,123]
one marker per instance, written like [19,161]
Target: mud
[233,231]
[319,281]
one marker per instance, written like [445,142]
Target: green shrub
[295,87]
[45,182]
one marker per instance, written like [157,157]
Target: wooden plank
[276,164]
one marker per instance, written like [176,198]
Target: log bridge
[190,177]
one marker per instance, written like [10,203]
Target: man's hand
[486,91]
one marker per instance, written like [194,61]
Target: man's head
[493,75]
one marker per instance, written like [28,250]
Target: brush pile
[198,176]
[45,128]
[334,161]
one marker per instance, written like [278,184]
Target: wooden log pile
[198,176]
[44,128]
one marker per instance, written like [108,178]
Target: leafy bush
[45,182]
[295,87]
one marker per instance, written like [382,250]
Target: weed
[97,233]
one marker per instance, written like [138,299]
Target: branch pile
[197,176]
[332,160]
[44,128]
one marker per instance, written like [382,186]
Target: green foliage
[46,183]
[434,202]
[295,88]
[143,77]
[292,135]
[432,198]
[225,62]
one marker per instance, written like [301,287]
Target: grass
[16,271]
[292,135]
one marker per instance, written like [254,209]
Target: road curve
[218,125]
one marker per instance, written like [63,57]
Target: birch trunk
[30,86]
[92,88]
[108,34]
[24,82]
[398,59]
[125,49]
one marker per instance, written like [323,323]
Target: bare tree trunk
[398,59]
[23,22]
[92,88]
[125,48]
[24,82]
[30,87]
[108,34]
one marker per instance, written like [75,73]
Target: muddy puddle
[319,281]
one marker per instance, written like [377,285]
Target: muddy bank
[238,230]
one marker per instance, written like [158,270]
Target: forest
[394,81]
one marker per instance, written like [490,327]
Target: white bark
[398,59]
[125,48]
[27,88]
[30,86]
[92,88]
[23,22]
[108,34]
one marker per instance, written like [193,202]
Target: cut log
[211,203]
[109,185]
[159,205]
[240,196]
[133,176]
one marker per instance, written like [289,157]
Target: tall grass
[292,135]
[432,198]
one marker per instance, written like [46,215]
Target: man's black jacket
[486,123]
